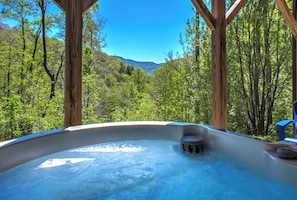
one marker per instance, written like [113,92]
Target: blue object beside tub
[281,125]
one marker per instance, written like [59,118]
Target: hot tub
[252,155]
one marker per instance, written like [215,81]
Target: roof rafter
[86,4]
[234,10]
[291,21]
[204,12]
[61,4]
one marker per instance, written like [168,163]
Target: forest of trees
[32,59]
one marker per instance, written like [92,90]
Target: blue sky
[144,30]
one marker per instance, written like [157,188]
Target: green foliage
[259,69]
[140,109]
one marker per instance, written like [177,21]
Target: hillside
[146,66]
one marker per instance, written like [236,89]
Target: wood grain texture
[219,66]
[73,68]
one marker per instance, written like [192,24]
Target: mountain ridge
[4,26]
[147,66]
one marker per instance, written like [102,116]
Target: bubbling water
[136,170]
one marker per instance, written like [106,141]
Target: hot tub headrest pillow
[286,153]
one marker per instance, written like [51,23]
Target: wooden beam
[234,10]
[61,4]
[291,21]
[294,66]
[73,68]
[204,12]
[219,66]
[87,4]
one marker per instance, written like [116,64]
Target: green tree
[19,11]
[197,63]
[94,23]
[258,66]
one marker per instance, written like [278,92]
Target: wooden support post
[294,64]
[73,70]
[219,66]
[217,22]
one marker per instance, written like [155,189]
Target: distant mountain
[146,66]
[4,26]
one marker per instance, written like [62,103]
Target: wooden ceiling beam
[291,21]
[232,12]
[204,12]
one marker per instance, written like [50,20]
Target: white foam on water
[110,148]
[56,162]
